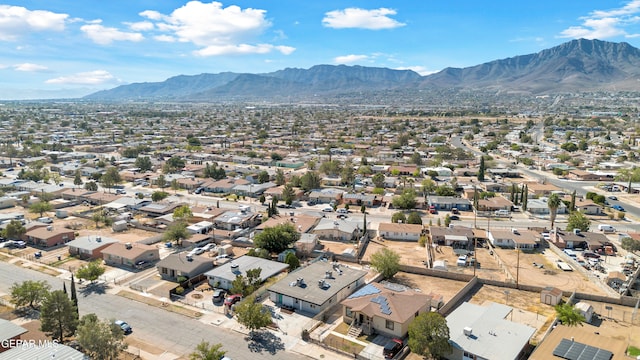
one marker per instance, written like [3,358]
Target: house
[581,175]
[538,189]
[455,236]
[302,222]
[224,275]
[325,196]
[89,247]
[338,230]
[233,219]
[386,309]
[180,265]
[316,287]
[361,199]
[588,207]
[494,204]
[446,203]
[202,227]
[483,332]
[551,296]
[159,209]
[514,238]
[129,254]
[10,334]
[402,232]
[47,236]
[579,339]
[578,239]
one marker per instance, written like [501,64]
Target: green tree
[29,292]
[14,230]
[143,163]
[159,196]
[175,185]
[182,213]
[277,238]
[101,340]
[481,170]
[263,177]
[77,178]
[406,201]
[253,315]
[239,286]
[569,315]
[172,165]
[398,217]
[310,180]
[97,217]
[553,203]
[161,181]
[288,194]
[91,186]
[429,335]
[176,232]
[447,220]
[578,220]
[414,218]
[280,178]
[110,178]
[58,315]
[292,260]
[386,262]
[206,351]
[630,244]
[91,271]
[378,180]
[40,207]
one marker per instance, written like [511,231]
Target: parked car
[218,295]
[588,254]
[392,348]
[617,207]
[613,198]
[454,217]
[327,209]
[120,192]
[46,220]
[15,244]
[232,299]
[209,246]
[126,328]
[432,210]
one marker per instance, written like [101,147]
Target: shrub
[179,290]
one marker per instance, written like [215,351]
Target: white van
[502,213]
[327,209]
[46,220]
[606,228]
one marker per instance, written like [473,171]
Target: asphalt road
[169,331]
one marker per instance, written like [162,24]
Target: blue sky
[70,48]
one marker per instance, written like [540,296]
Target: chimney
[128,245]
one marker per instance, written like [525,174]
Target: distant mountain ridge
[577,65]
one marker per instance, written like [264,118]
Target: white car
[209,246]
[197,251]
[327,209]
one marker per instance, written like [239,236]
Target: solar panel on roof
[364,291]
[573,350]
[384,304]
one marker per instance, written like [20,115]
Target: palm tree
[569,315]
[553,203]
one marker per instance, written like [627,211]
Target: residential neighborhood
[345,224]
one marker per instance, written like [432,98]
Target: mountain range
[577,65]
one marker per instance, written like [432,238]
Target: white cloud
[29,67]
[603,24]
[242,49]
[141,26]
[350,59]
[106,35]
[419,69]
[16,21]
[217,30]
[375,19]
[96,77]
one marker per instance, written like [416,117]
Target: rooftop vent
[467,331]
[328,275]
[576,231]
[99,239]
[127,245]
[300,282]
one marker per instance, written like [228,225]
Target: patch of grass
[633,351]
[342,328]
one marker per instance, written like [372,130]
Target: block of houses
[514,238]
[89,247]
[129,254]
[484,332]
[47,236]
[455,236]
[338,230]
[224,275]
[176,265]
[402,232]
[386,309]
[316,287]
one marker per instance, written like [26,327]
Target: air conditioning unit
[467,331]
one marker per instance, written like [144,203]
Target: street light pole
[517,265]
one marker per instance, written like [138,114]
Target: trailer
[564,266]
